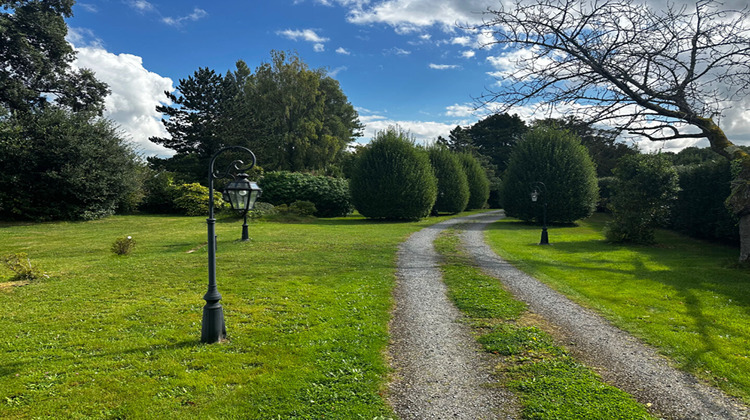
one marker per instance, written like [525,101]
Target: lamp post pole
[213,328]
[534,195]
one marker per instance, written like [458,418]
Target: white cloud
[460,111]
[135,94]
[407,15]
[397,51]
[444,66]
[319,47]
[142,6]
[464,41]
[83,37]
[343,51]
[178,21]
[468,54]
[308,35]
[425,132]
[91,8]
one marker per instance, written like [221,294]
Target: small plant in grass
[20,263]
[124,245]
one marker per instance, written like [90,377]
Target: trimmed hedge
[329,195]
[556,158]
[700,210]
[479,185]
[453,185]
[392,179]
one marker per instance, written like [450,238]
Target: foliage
[303,208]
[329,195]
[57,165]
[479,185]
[192,199]
[453,186]
[36,60]
[558,160]
[392,179]
[605,192]
[699,210]
[123,246]
[603,148]
[261,209]
[20,263]
[644,189]
[292,117]
[681,297]
[159,193]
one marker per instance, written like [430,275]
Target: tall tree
[35,59]
[662,74]
[495,137]
[307,119]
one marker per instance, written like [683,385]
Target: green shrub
[556,158]
[330,195]
[479,185]
[700,210]
[57,165]
[261,209]
[453,186]
[644,189]
[123,246]
[192,199]
[159,193]
[20,263]
[392,179]
[302,208]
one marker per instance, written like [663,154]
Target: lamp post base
[545,237]
[213,328]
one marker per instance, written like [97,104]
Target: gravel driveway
[441,374]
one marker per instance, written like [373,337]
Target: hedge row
[329,195]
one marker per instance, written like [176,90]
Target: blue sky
[405,62]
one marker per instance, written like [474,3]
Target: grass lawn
[688,298]
[106,336]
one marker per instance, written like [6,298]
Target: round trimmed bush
[556,158]
[479,185]
[453,186]
[192,199]
[392,179]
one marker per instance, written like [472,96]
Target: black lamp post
[535,193]
[241,194]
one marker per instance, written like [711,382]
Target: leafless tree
[663,74]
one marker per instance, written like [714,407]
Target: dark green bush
[302,208]
[123,246]
[453,186]
[479,185]
[556,158]
[605,191]
[644,189]
[55,165]
[159,193]
[192,199]
[392,179]
[700,210]
[329,195]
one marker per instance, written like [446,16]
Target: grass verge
[550,383]
[686,297]
[110,336]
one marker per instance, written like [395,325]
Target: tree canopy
[36,59]
[293,117]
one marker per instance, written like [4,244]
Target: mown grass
[686,297]
[550,383]
[107,336]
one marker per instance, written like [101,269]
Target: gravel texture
[622,360]
[440,372]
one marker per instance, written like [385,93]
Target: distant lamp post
[535,193]
[241,194]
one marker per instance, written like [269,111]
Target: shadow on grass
[7,369]
[690,272]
